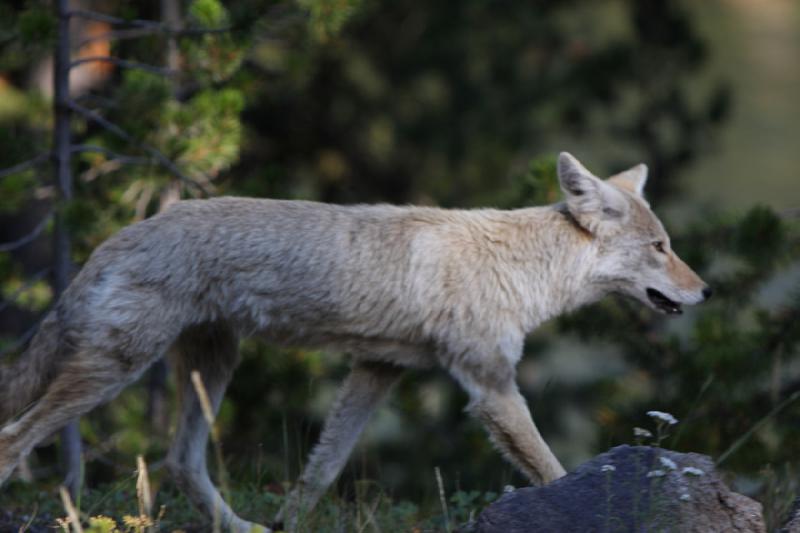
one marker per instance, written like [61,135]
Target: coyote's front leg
[362,391]
[497,403]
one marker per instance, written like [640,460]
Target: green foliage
[327,17]
[446,108]
[102,524]
[465,506]
[539,185]
[80,217]
[25,33]
[214,57]
[208,13]
[114,508]
[37,27]
[15,190]
[143,94]
[204,134]
[760,237]
[34,297]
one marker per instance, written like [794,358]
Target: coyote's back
[290,271]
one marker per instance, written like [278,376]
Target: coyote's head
[634,253]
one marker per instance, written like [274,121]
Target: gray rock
[793,525]
[642,489]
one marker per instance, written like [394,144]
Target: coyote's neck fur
[555,254]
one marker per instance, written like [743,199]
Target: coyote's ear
[632,179]
[590,200]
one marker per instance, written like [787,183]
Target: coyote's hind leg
[87,379]
[211,350]
[358,397]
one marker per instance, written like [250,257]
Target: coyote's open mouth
[663,303]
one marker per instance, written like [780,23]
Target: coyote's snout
[394,287]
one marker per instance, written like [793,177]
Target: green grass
[357,505]
[368,510]
[365,508]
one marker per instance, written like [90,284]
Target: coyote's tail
[23,380]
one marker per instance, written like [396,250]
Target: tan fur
[23,380]
[683,276]
[395,287]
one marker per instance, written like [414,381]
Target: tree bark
[70,435]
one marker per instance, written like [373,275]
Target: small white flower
[662,416]
[656,473]
[509,488]
[692,471]
[608,468]
[685,497]
[667,463]
[641,433]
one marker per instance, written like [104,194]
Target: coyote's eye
[659,246]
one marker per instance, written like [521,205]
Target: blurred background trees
[459,104]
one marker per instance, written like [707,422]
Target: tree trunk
[62,144]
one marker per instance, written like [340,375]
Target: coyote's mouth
[663,303]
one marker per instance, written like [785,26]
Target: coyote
[394,287]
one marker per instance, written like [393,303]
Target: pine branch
[100,101]
[25,337]
[30,282]
[161,71]
[30,237]
[163,160]
[25,165]
[136,32]
[115,35]
[117,21]
[151,25]
[119,158]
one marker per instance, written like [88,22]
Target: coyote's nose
[707,292]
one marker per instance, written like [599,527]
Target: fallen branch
[135,33]
[151,25]
[30,237]
[749,433]
[124,64]
[120,158]
[25,337]
[25,165]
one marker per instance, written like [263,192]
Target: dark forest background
[457,104]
